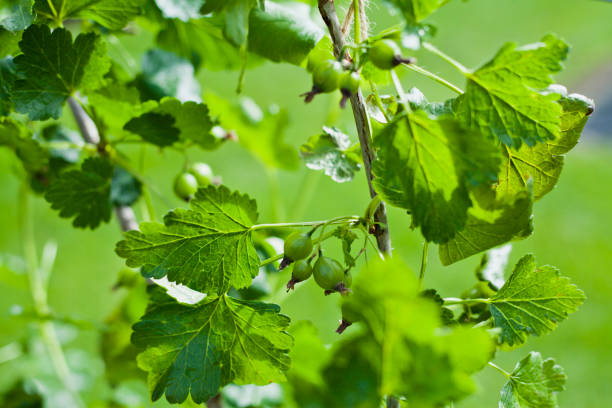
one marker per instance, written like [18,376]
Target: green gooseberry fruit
[325,79]
[301,271]
[202,172]
[185,186]
[385,54]
[328,273]
[348,318]
[298,245]
[349,86]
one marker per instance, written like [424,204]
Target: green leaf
[236,17]
[52,68]
[283,32]
[202,42]
[502,101]
[409,355]
[207,248]
[112,14]
[18,138]
[544,161]
[260,133]
[125,188]
[425,166]
[184,10]
[192,120]
[16,15]
[155,128]
[196,349]
[166,74]
[7,80]
[9,42]
[331,151]
[83,194]
[534,383]
[487,227]
[533,301]
[415,11]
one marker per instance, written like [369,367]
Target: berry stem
[434,77]
[280,256]
[454,63]
[458,301]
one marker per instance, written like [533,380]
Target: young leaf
[417,10]
[260,133]
[425,166]
[544,161]
[112,14]
[283,32]
[506,220]
[533,301]
[83,194]
[16,15]
[330,151]
[534,383]
[347,236]
[501,98]
[207,248]
[196,349]
[52,68]
[9,42]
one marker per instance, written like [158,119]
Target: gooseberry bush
[466,172]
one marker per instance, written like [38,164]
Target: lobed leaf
[52,68]
[208,248]
[534,383]
[533,301]
[502,101]
[112,14]
[83,194]
[196,349]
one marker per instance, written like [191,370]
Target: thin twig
[328,13]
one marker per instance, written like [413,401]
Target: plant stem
[327,10]
[458,301]
[423,264]
[498,368]
[39,298]
[456,64]
[434,77]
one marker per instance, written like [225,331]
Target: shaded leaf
[52,68]
[112,14]
[196,349]
[425,166]
[155,128]
[487,227]
[125,188]
[283,32]
[83,194]
[166,74]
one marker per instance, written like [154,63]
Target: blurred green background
[573,224]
